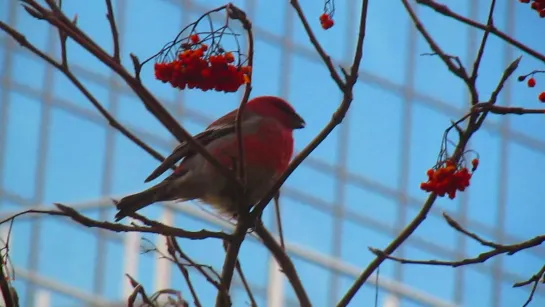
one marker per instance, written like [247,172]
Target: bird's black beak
[299,122]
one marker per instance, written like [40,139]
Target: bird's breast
[268,148]
[272,147]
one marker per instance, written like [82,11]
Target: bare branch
[497,249]
[172,243]
[325,57]
[229,263]
[5,287]
[243,279]
[32,12]
[458,69]
[444,10]
[535,279]
[500,110]
[138,289]
[532,280]
[284,262]
[157,228]
[452,223]
[137,66]
[477,62]
[506,74]
[253,302]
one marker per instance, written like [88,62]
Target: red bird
[267,134]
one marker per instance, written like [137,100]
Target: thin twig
[535,279]
[279,220]
[452,223]
[198,267]
[478,58]
[405,233]
[494,96]
[138,289]
[253,302]
[63,38]
[506,74]
[325,57]
[285,264]
[532,280]
[113,27]
[501,110]
[171,248]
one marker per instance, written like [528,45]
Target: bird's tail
[132,203]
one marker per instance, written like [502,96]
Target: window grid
[338,170]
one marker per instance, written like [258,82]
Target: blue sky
[75,161]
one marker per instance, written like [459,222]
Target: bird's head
[278,108]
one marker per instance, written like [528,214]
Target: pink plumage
[267,134]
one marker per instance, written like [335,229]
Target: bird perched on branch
[267,134]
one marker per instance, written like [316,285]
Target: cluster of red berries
[326,20]
[531,83]
[448,178]
[194,69]
[538,6]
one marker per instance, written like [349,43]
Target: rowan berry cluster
[532,83]
[326,19]
[194,67]
[537,5]
[448,178]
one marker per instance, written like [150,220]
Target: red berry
[524,1]
[531,82]
[194,38]
[541,97]
[474,164]
[326,21]
[324,17]
[328,24]
[542,13]
[537,5]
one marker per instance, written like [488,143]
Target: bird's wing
[184,150]
[219,128]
